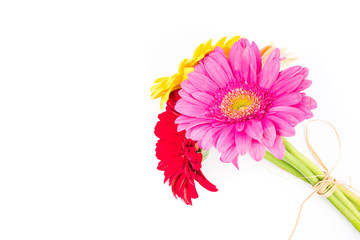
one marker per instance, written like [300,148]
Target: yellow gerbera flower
[165,85]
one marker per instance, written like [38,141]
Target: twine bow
[327,185]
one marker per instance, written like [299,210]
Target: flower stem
[351,196]
[320,175]
[297,168]
[284,165]
[339,195]
[298,165]
[342,208]
[312,166]
[301,167]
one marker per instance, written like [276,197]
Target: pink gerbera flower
[240,106]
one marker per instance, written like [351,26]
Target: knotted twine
[327,185]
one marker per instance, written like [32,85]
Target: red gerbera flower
[180,158]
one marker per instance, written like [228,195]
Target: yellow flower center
[239,104]
[242,102]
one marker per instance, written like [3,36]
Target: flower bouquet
[239,99]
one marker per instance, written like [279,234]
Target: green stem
[301,167]
[351,196]
[284,165]
[339,195]
[357,207]
[315,170]
[332,199]
[320,174]
[296,169]
[312,166]
[345,211]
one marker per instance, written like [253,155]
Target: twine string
[312,148]
[327,185]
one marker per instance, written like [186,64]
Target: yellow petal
[231,41]
[165,85]
[221,42]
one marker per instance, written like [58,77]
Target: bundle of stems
[295,163]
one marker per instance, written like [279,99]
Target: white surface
[76,120]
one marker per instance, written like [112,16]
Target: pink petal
[202,82]
[305,72]
[289,72]
[239,126]
[283,128]
[248,66]
[199,68]
[236,58]
[297,113]
[303,85]
[287,85]
[219,124]
[235,162]
[182,127]
[199,121]
[289,80]
[207,142]
[204,97]
[257,150]
[278,149]
[243,142]
[235,55]
[230,155]
[289,118]
[257,54]
[270,70]
[216,72]
[198,132]
[189,98]
[244,42]
[217,130]
[307,104]
[183,119]
[188,87]
[226,138]
[312,103]
[184,94]
[269,134]
[288,99]
[185,107]
[219,56]
[254,129]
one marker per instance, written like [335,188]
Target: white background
[76,119]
